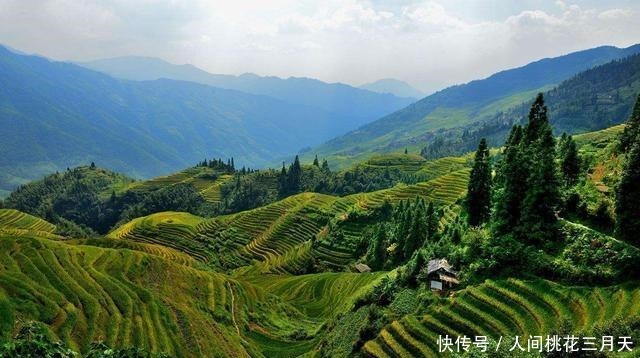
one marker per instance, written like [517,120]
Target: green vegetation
[451,122]
[268,267]
[479,193]
[505,308]
[594,99]
[148,128]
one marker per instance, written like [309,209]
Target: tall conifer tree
[628,197]
[479,188]
[538,220]
[632,130]
[569,161]
[510,182]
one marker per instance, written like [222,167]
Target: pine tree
[538,120]
[433,222]
[569,161]
[406,151]
[628,198]
[402,230]
[418,231]
[632,130]
[479,188]
[510,182]
[315,161]
[294,176]
[538,220]
[325,166]
[378,249]
[282,182]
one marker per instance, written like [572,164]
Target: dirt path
[233,309]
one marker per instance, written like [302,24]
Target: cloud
[430,43]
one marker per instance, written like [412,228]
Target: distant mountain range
[55,115]
[393,86]
[462,105]
[351,107]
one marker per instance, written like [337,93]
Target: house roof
[363,268]
[437,264]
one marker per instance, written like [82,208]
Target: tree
[315,161]
[378,249]
[510,181]
[433,222]
[479,188]
[325,166]
[538,120]
[538,219]
[418,231]
[632,130]
[569,161]
[406,151]
[628,198]
[294,175]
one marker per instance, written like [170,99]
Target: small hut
[363,268]
[441,275]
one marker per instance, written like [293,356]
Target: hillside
[86,293]
[457,106]
[591,100]
[55,115]
[279,280]
[351,107]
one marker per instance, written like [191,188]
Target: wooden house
[441,275]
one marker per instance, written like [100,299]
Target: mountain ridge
[70,115]
[466,103]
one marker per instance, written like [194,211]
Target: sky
[429,44]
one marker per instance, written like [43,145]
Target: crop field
[277,238]
[407,163]
[505,308]
[442,190]
[206,180]
[87,294]
[10,218]
[320,295]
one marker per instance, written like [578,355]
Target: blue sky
[430,44]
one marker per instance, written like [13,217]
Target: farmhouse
[440,275]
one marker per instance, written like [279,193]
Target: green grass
[505,308]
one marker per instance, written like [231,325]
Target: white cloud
[427,43]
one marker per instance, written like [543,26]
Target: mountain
[462,104]
[393,86]
[351,106]
[55,115]
[591,100]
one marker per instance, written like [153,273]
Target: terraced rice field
[279,238]
[435,168]
[408,163]
[171,229]
[10,218]
[443,190]
[504,308]
[17,223]
[275,235]
[87,294]
[322,295]
[205,180]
